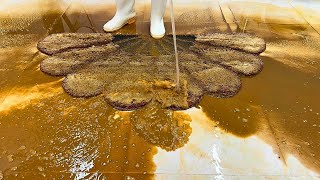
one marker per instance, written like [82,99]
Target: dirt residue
[167,129]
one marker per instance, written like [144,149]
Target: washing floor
[269,130]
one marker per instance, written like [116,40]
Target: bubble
[33,152]
[40,168]
[137,165]
[130,178]
[22,148]
[236,110]
[117,116]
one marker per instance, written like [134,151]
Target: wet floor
[271,129]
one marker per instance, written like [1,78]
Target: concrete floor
[47,134]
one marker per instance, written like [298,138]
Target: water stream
[175,44]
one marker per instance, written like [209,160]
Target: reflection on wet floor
[274,104]
[64,141]
[47,134]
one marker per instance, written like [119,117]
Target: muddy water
[46,133]
[281,100]
[74,138]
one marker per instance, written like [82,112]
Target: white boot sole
[157,36]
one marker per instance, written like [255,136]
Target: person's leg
[125,15]
[157,29]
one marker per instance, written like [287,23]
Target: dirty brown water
[51,134]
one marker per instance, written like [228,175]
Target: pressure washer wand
[175,44]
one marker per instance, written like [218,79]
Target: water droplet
[1,175]
[236,110]
[244,120]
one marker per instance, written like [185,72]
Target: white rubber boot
[157,29]
[125,15]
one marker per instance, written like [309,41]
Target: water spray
[175,44]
